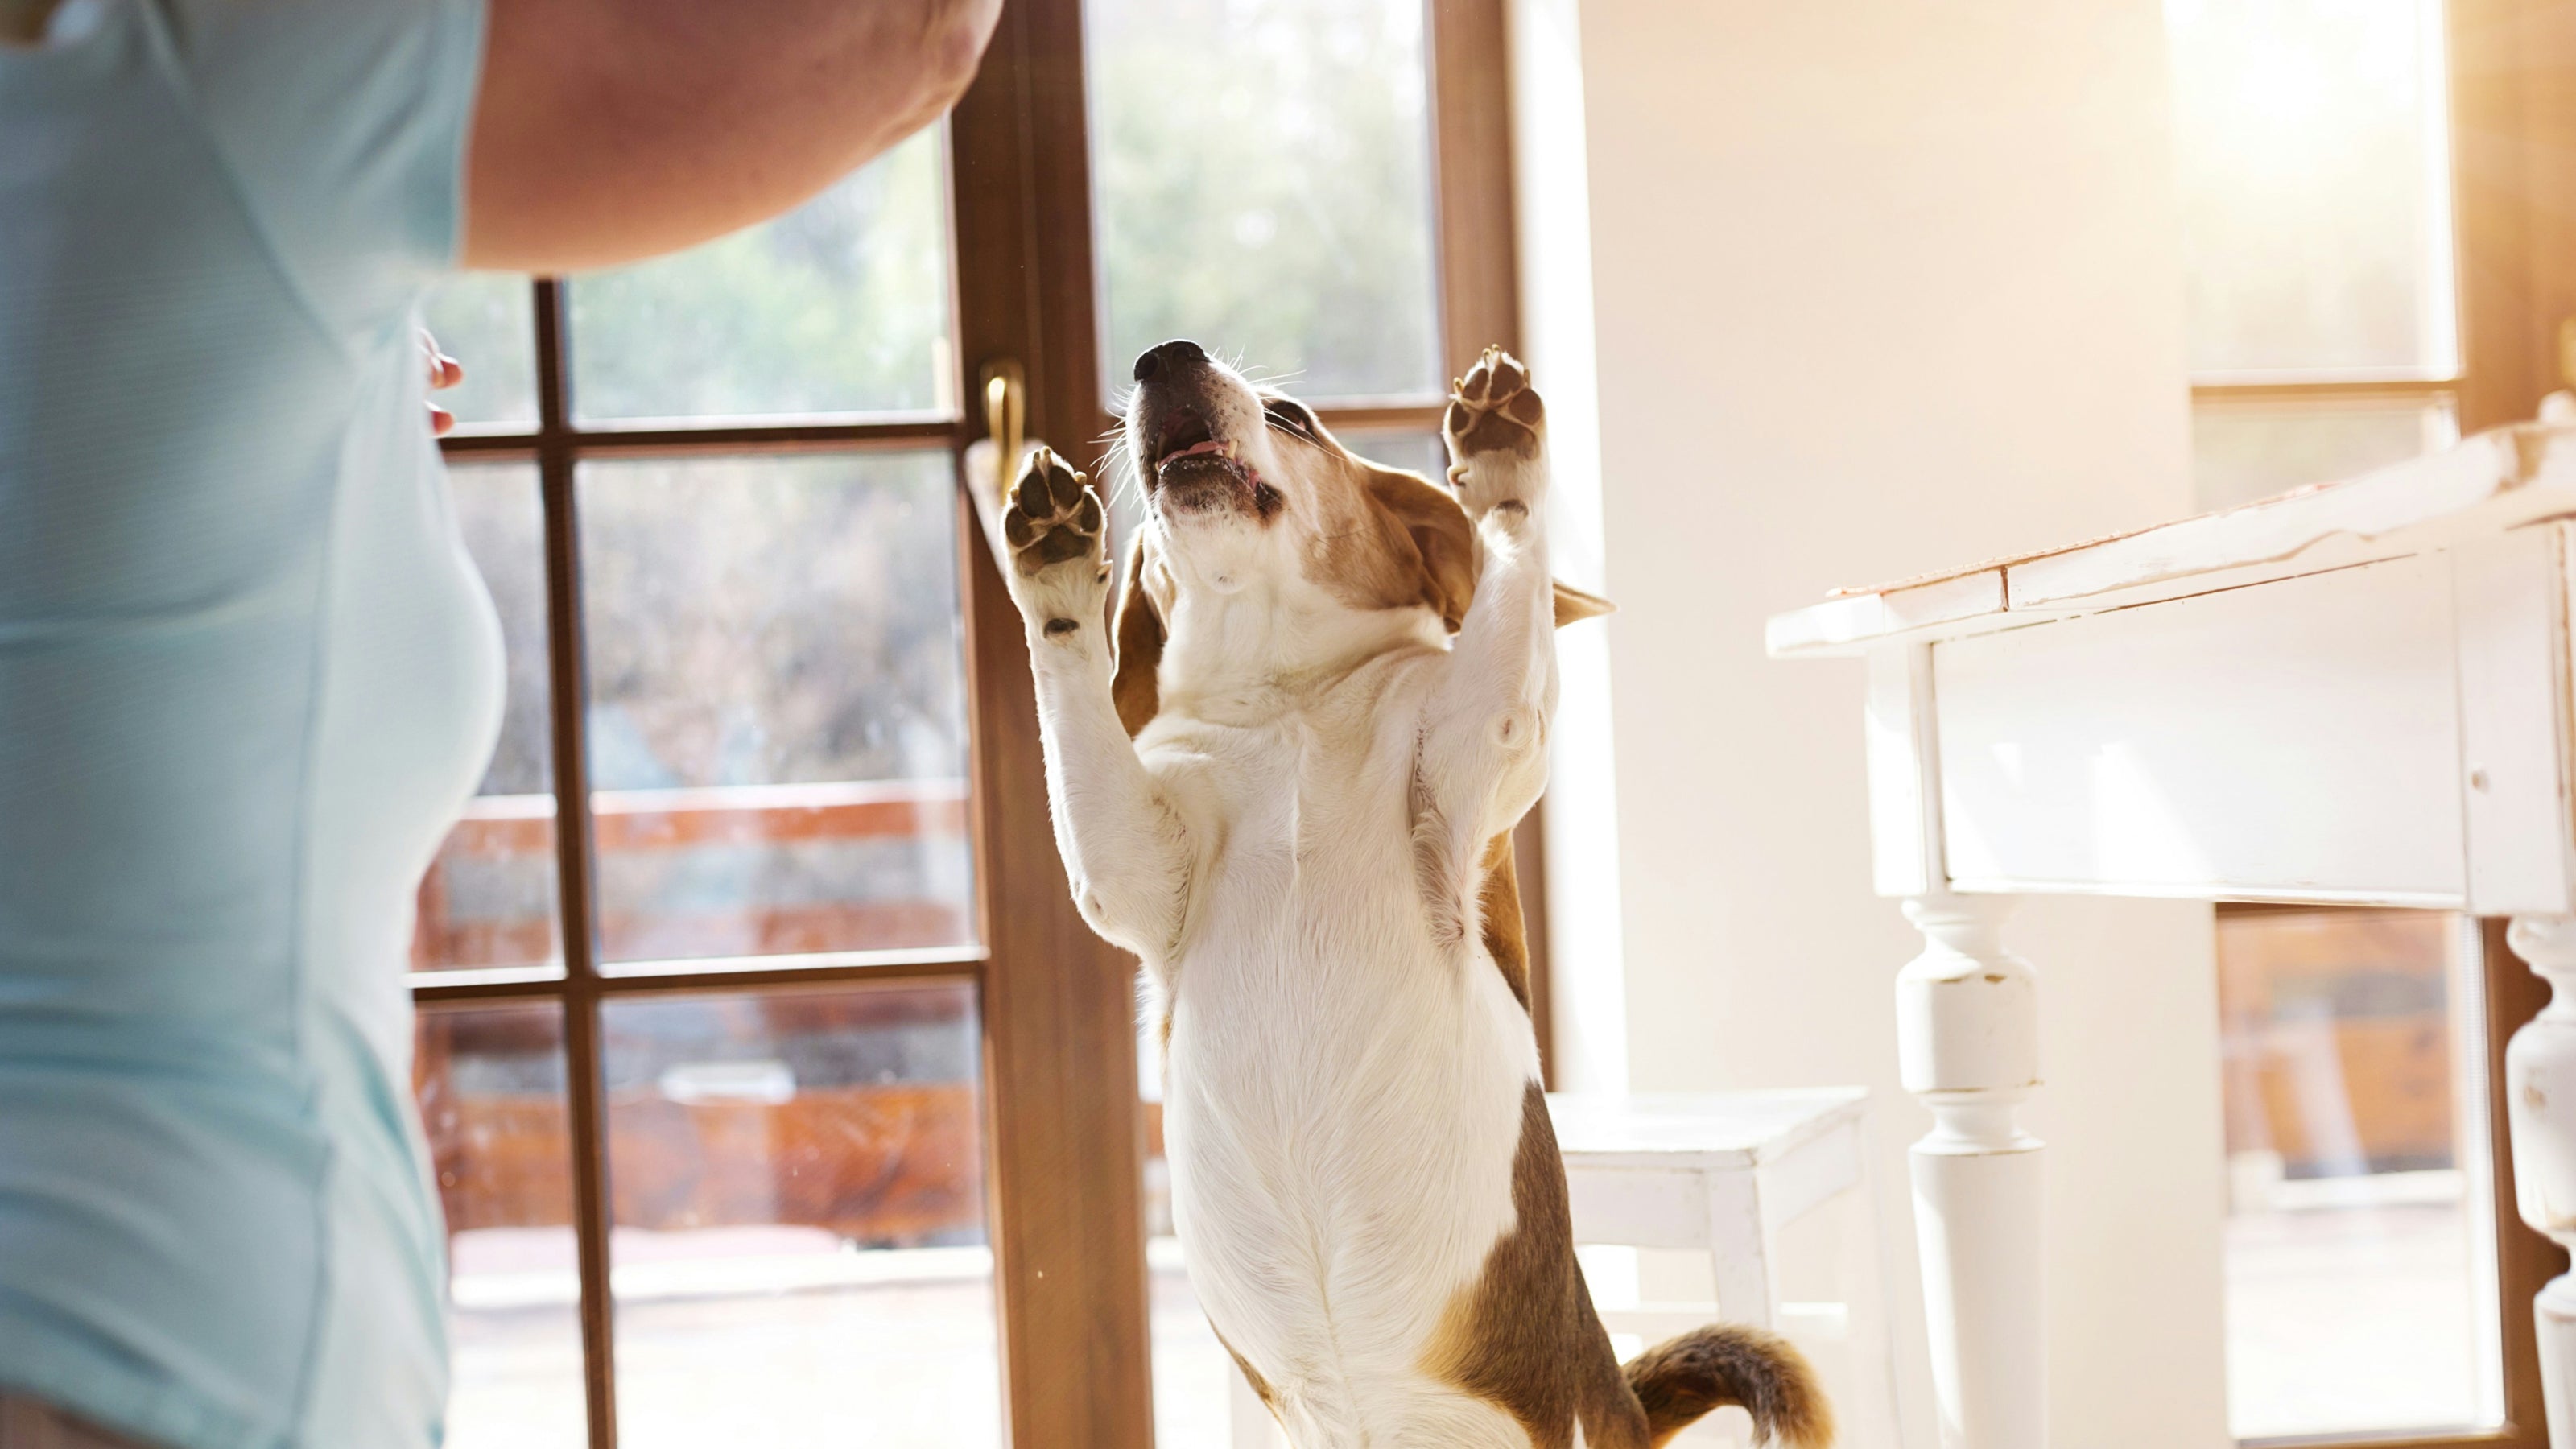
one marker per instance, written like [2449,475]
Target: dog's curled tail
[1710,1368]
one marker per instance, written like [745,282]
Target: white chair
[1720,1173]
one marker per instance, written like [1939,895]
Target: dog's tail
[1722,1364]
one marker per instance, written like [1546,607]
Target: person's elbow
[607,131]
[954,34]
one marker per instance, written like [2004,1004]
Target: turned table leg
[1967,1022]
[2540,1106]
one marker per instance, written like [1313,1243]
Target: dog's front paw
[1057,532]
[1495,425]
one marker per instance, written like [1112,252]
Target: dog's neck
[1248,644]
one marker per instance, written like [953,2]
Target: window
[2314,143]
[2366,277]
[723,1120]
[775,1090]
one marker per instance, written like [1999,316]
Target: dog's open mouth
[1196,471]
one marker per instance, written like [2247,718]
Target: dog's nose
[1179,352]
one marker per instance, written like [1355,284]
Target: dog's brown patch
[1136,686]
[1260,1386]
[1389,539]
[1524,1337]
[1506,935]
[1394,540]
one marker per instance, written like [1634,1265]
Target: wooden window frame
[1063,1139]
[2512,78]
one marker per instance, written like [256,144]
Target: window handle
[993,461]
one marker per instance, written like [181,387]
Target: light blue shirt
[247,676]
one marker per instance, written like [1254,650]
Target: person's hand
[444,371]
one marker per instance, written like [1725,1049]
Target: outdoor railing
[735,870]
[712,1125]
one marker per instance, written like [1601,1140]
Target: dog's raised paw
[1493,409]
[1054,516]
[1056,529]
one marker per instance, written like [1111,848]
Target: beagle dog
[1285,773]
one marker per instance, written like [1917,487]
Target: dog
[1284,773]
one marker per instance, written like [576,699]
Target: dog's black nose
[1179,352]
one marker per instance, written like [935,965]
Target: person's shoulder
[345,124]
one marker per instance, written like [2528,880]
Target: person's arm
[610,130]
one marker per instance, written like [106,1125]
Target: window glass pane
[2242,452]
[1423,453]
[1263,178]
[487,321]
[840,306]
[800,1253]
[490,1081]
[2315,187]
[2360,1251]
[489,897]
[777,705]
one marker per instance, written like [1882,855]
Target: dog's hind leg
[1125,848]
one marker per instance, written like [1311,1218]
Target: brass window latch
[993,461]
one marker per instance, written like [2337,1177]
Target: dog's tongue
[1210,445]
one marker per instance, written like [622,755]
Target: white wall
[1588,984]
[1879,286]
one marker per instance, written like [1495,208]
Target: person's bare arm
[609,130]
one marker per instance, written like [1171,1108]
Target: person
[247,673]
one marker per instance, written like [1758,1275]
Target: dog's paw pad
[1054,516]
[1493,409]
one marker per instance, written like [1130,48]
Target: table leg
[2540,1106]
[1967,1022]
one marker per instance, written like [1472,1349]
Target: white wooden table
[2353,693]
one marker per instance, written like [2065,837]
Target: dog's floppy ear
[1133,687]
[1573,605]
[1442,537]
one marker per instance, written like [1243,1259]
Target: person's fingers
[444,371]
[441,421]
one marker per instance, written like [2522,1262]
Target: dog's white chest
[1344,1094]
